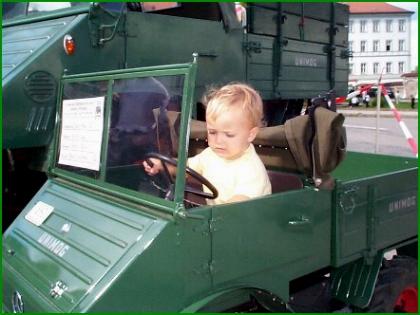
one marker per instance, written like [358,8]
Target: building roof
[374,8]
[412,74]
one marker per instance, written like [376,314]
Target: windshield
[107,135]
[13,10]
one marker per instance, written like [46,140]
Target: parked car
[373,91]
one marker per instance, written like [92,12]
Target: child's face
[230,134]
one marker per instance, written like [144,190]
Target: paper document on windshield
[81,132]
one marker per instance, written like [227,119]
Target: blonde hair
[234,95]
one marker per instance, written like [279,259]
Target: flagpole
[378,108]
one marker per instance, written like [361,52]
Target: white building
[379,38]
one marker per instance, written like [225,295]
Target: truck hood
[83,245]
[22,43]
[32,63]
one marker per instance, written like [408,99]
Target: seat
[284,181]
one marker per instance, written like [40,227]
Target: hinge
[332,30]
[101,32]
[346,53]
[254,47]
[207,227]
[205,269]
[213,224]
[212,268]
[329,48]
[371,250]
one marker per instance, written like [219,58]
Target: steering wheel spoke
[170,191]
[198,192]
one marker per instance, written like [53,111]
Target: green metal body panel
[302,49]
[373,191]
[294,82]
[375,207]
[109,248]
[221,58]
[366,208]
[33,62]
[103,239]
[267,242]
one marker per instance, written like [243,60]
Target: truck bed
[362,165]
[375,205]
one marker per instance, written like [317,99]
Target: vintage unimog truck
[290,52]
[103,236]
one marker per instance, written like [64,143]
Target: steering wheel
[166,160]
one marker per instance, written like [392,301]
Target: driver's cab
[110,123]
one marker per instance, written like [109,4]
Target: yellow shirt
[245,175]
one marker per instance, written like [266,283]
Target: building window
[388,67]
[376,68]
[350,26]
[401,67]
[363,46]
[363,28]
[350,68]
[363,68]
[389,26]
[401,25]
[376,45]
[351,45]
[376,26]
[388,45]
[401,45]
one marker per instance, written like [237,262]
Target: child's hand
[152,166]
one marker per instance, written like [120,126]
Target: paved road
[361,135]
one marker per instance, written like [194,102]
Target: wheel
[396,288]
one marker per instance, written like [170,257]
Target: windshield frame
[106,188]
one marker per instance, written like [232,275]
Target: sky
[411,6]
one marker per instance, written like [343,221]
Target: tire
[396,287]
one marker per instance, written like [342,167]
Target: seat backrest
[284,181]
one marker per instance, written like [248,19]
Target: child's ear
[253,133]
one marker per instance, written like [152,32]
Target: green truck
[290,52]
[101,235]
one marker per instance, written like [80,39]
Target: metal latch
[347,200]
[254,47]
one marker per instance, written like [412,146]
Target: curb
[371,113]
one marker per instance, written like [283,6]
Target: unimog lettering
[402,204]
[54,245]
[306,62]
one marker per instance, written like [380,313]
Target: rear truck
[290,52]
[103,236]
